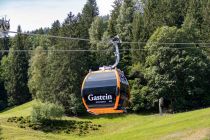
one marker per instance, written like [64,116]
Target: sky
[33,14]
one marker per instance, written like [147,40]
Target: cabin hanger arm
[116,42]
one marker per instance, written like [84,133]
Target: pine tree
[138,33]
[4,45]
[55,31]
[89,11]
[3,93]
[96,32]
[124,30]
[206,20]
[112,31]
[158,13]
[15,72]
[199,11]
[198,17]
[61,71]
[64,70]
[66,74]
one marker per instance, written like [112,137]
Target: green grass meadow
[191,125]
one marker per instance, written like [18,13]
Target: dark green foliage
[55,31]
[15,69]
[89,11]
[97,36]
[4,45]
[164,72]
[158,13]
[140,99]
[205,26]
[112,24]
[138,33]
[61,71]
[66,73]
[96,31]
[67,70]
[179,75]
[124,30]
[41,31]
[3,96]
[199,12]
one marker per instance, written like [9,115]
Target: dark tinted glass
[101,80]
[101,76]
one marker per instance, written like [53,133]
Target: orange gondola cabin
[106,90]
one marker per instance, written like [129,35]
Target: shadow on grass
[7,109]
[106,116]
[119,115]
[67,126]
[57,126]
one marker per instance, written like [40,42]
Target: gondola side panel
[99,90]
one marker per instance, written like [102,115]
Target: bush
[173,71]
[46,111]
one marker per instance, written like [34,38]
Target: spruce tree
[199,12]
[55,31]
[65,70]
[138,33]
[4,45]
[3,93]
[158,13]
[206,20]
[61,71]
[124,30]
[89,11]
[96,33]
[85,19]
[112,24]
[15,72]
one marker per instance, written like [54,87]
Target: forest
[164,53]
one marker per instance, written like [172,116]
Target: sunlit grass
[194,124]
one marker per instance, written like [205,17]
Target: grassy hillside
[190,125]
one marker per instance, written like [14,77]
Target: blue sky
[33,14]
